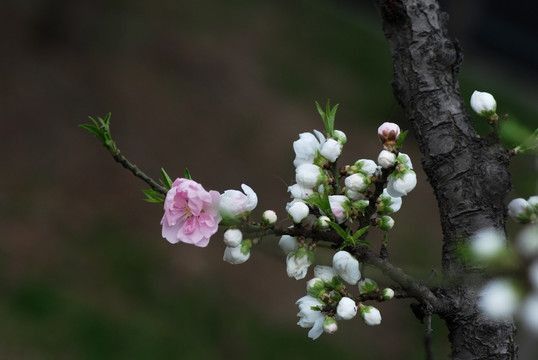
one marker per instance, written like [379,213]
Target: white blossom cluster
[503,298]
[327,300]
[350,191]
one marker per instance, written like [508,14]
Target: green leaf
[321,201]
[153,196]
[94,130]
[360,232]
[328,116]
[166,181]
[343,233]
[187,174]
[401,138]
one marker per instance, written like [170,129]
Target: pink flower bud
[388,133]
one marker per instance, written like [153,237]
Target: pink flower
[191,214]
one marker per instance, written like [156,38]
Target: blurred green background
[222,88]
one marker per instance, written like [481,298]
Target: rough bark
[468,173]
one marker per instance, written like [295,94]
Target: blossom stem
[136,171]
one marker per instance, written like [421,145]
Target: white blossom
[498,299]
[347,267]
[483,103]
[298,211]
[340,136]
[325,273]
[307,147]
[401,185]
[299,192]
[346,309]
[309,175]
[365,166]
[309,317]
[518,207]
[235,255]
[331,150]
[487,243]
[529,313]
[354,195]
[527,241]
[405,159]
[297,263]
[234,204]
[233,237]
[370,315]
[288,243]
[386,159]
[357,182]
[388,204]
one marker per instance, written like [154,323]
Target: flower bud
[483,103]
[367,286]
[347,267]
[309,176]
[370,315]
[269,217]
[323,222]
[387,204]
[236,255]
[340,136]
[386,159]
[364,166]
[299,192]
[346,309]
[354,195]
[400,184]
[385,223]
[357,182]
[405,160]
[388,133]
[233,237]
[331,150]
[521,211]
[388,293]
[288,243]
[298,211]
[533,201]
[340,207]
[315,287]
[329,325]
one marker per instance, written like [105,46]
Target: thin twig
[428,335]
[137,172]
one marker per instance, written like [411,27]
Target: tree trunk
[468,174]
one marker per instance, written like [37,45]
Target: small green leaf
[360,232]
[153,196]
[343,233]
[321,201]
[94,130]
[166,181]
[401,139]
[365,243]
[187,174]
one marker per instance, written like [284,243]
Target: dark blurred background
[222,88]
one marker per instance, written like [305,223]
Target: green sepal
[401,138]
[188,174]
[153,196]
[166,181]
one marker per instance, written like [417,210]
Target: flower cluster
[502,298]
[324,195]
[328,301]
[524,211]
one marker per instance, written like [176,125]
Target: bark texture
[468,173]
